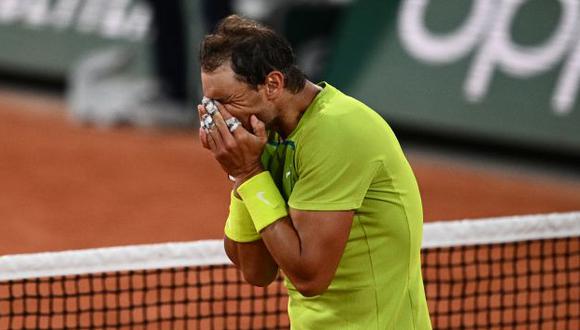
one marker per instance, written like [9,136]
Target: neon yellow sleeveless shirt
[344,156]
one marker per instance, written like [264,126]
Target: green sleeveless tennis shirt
[344,156]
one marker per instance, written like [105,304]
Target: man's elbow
[312,288]
[258,278]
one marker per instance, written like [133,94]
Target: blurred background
[98,133]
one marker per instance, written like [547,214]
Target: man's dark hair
[253,50]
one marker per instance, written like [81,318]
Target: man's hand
[238,152]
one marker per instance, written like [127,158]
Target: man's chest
[280,160]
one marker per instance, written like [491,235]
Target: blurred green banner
[503,70]
[45,38]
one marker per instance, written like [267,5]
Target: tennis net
[501,273]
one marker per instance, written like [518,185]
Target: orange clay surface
[64,186]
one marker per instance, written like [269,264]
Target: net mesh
[200,297]
[527,278]
[522,285]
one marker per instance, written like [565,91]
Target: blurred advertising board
[45,39]
[502,70]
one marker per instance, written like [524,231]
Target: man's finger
[211,132]
[240,131]
[211,143]
[258,127]
[203,138]
[223,129]
[215,136]
[224,112]
[200,113]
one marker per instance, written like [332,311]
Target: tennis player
[322,189]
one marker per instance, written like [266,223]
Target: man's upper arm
[323,235]
[335,168]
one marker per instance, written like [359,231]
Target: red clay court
[65,186]
[71,187]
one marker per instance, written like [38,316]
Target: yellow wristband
[263,200]
[239,226]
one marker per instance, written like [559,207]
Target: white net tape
[211,252]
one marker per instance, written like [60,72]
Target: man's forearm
[308,246]
[280,245]
[300,263]
[253,260]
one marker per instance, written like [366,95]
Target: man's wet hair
[253,51]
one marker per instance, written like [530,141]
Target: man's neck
[293,107]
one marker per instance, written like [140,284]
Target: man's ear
[274,84]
